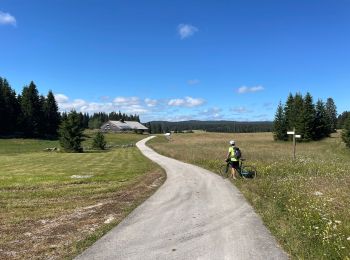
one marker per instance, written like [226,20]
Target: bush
[99,141]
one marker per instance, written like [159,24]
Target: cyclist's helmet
[232,142]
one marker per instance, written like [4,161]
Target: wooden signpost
[294,141]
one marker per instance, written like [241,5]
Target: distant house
[123,126]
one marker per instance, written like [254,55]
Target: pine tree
[342,118]
[279,124]
[31,110]
[322,126]
[9,108]
[289,112]
[346,132]
[71,133]
[51,115]
[307,118]
[331,110]
[298,114]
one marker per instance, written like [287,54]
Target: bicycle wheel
[248,172]
[222,171]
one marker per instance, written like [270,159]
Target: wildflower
[337,221]
[318,193]
[348,239]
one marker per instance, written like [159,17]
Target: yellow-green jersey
[231,150]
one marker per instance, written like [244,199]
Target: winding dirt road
[195,215]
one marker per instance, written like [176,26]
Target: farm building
[123,126]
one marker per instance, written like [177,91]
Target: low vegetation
[305,203]
[54,204]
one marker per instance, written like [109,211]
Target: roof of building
[128,125]
[136,125]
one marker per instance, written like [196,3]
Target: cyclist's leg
[235,170]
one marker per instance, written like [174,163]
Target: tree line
[311,121]
[30,114]
[156,127]
[27,114]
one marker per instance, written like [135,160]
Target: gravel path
[195,215]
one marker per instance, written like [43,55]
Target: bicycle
[244,171]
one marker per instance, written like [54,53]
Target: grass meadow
[304,203]
[53,204]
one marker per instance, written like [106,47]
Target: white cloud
[60,98]
[186,102]
[240,110]
[95,107]
[186,30]
[6,18]
[76,104]
[126,101]
[245,89]
[211,113]
[151,102]
[193,82]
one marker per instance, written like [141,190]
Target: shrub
[99,141]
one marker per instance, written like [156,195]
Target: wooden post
[294,143]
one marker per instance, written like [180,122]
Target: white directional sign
[297,136]
[290,133]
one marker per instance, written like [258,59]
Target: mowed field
[304,203]
[53,204]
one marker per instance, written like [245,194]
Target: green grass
[41,187]
[305,203]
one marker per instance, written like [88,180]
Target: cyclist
[232,160]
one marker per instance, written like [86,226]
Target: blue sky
[178,60]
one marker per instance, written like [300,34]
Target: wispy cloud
[150,109]
[193,81]
[151,102]
[186,30]
[60,98]
[126,101]
[240,110]
[186,102]
[7,19]
[245,89]
[211,113]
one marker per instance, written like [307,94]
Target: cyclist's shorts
[234,164]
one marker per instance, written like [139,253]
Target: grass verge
[53,205]
[305,203]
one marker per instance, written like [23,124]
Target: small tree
[279,124]
[346,132]
[71,133]
[99,141]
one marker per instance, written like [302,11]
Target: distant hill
[210,126]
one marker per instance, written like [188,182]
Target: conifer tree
[307,118]
[31,110]
[322,127]
[346,132]
[289,112]
[71,133]
[51,115]
[342,118]
[279,124]
[9,108]
[331,110]
[298,114]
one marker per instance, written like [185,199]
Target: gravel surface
[195,215]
